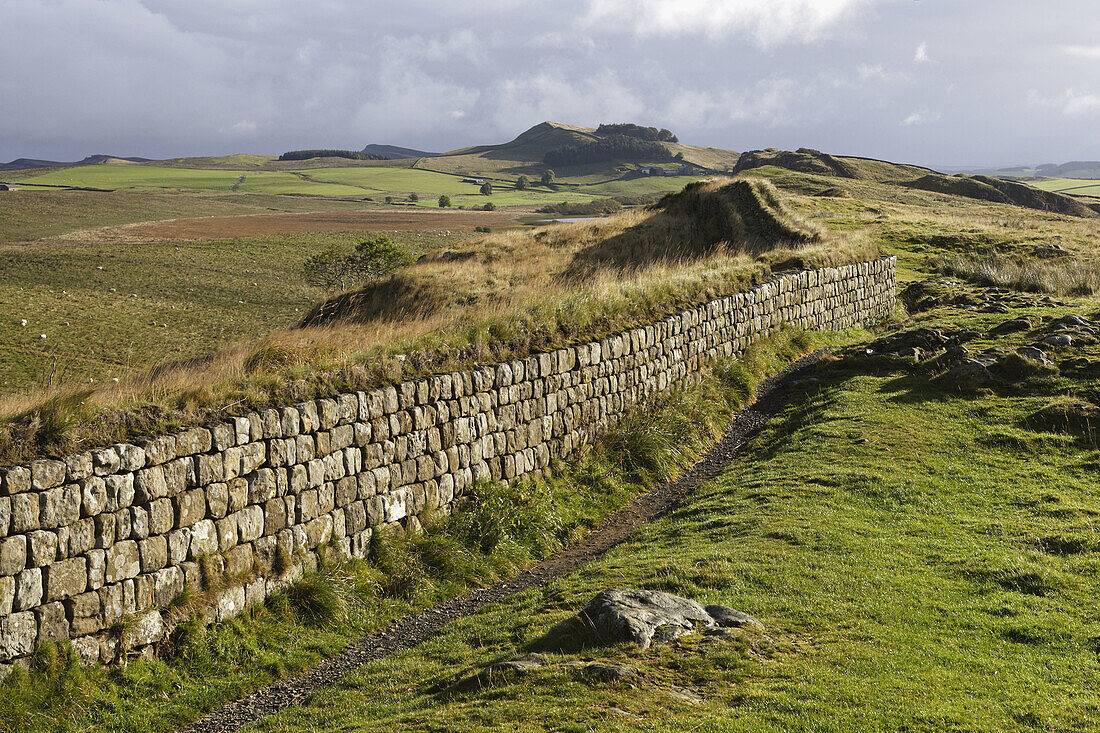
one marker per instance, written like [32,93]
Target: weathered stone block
[25,512]
[123,561]
[46,474]
[250,523]
[162,516]
[120,491]
[28,589]
[190,507]
[238,561]
[53,624]
[18,635]
[66,578]
[179,543]
[167,585]
[154,553]
[13,554]
[195,440]
[274,515]
[97,568]
[228,535]
[42,547]
[16,480]
[147,628]
[131,457]
[7,594]
[204,539]
[149,484]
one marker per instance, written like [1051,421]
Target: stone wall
[94,546]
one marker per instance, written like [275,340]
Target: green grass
[1075,186]
[920,563]
[502,530]
[30,215]
[110,176]
[208,294]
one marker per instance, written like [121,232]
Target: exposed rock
[730,618]
[969,373]
[649,616]
[599,672]
[1058,339]
[1013,325]
[526,663]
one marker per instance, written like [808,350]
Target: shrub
[444,201]
[372,259]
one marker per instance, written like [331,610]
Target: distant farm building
[10,187]
[478,181]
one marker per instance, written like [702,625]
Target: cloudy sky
[939,82]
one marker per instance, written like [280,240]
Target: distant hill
[1001,191]
[20,164]
[1089,169]
[527,152]
[393,152]
[808,160]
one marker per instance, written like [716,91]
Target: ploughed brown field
[256,225]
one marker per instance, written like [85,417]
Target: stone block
[238,561]
[16,480]
[47,474]
[105,530]
[28,589]
[154,553]
[139,523]
[18,635]
[167,586]
[179,543]
[250,523]
[195,440]
[204,539]
[105,461]
[274,515]
[261,486]
[217,500]
[66,578]
[228,535]
[53,623]
[237,490]
[120,491]
[78,467]
[25,512]
[42,547]
[150,484]
[162,516]
[13,554]
[123,561]
[190,507]
[148,628]
[131,457]
[81,538]
[93,496]
[97,568]
[7,594]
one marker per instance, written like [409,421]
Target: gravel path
[409,631]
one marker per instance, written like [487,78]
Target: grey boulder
[649,616]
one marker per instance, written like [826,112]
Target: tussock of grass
[1062,276]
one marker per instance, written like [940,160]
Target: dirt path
[411,630]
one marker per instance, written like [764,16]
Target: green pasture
[1076,186]
[110,310]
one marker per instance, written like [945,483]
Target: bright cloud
[1082,52]
[769,22]
[921,55]
[920,117]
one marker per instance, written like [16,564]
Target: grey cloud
[1003,81]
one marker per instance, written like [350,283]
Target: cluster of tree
[596,207]
[628,129]
[618,147]
[336,269]
[350,154]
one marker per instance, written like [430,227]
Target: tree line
[628,129]
[618,147]
[350,154]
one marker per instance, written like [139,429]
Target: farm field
[1075,186]
[30,215]
[112,310]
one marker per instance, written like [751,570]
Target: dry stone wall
[94,547]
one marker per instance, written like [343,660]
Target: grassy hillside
[1003,191]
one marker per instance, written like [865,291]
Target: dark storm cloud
[934,81]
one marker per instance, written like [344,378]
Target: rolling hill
[998,190]
[394,152]
[525,155]
[20,164]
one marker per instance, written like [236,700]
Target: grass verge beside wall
[501,531]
